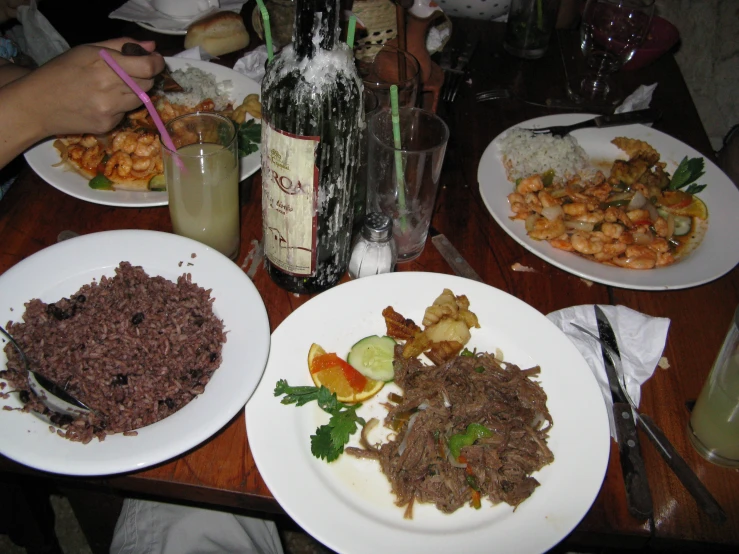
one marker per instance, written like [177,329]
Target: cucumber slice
[373,357]
[101,182]
[158,183]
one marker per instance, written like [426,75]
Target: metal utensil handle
[649,115]
[638,495]
[687,477]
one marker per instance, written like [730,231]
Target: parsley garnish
[329,440]
[250,135]
[686,173]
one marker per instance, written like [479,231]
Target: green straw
[350,31]
[395,118]
[267,30]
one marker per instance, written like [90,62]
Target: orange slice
[697,208]
[339,377]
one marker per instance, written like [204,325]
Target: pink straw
[147,102]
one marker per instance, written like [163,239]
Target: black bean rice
[132,347]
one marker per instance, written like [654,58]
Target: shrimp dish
[637,216]
[130,156]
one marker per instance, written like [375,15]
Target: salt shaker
[374,251]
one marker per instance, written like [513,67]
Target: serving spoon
[50,393]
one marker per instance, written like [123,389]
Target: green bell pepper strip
[474,431]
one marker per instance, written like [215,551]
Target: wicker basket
[377,17]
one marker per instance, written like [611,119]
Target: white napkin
[637,100]
[641,341]
[36,36]
[252,63]
[141,11]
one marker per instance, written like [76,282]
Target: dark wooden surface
[221,471]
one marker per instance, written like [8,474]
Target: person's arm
[72,94]
[9,72]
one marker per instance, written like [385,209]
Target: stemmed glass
[611,32]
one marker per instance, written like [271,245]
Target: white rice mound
[199,86]
[525,153]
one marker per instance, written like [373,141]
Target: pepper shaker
[374,251]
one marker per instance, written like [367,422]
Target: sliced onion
[63,152]
[637,201]
[670,226]
[447,403]
[653,215]
[552,212]
[579,225]
[452,460]
[364,440]
[643,238]
[530,221]
[404,442]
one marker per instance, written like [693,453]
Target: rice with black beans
[132,347]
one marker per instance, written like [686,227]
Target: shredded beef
[441,401]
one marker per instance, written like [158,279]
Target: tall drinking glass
[610,33]
[204,193]
[392,66]
[402,182]
[714,423]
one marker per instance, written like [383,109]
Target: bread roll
[219,33]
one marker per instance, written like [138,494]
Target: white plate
[178,31]
[713,258]
[347,505]
[43,156]
[60,270]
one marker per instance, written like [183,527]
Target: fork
[649,115]
[453,76]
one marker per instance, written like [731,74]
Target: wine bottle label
[289,200]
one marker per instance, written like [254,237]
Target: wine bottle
[312,116]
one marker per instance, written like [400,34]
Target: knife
[452,256]
[638,495]
[676,463]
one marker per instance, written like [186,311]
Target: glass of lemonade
[203,187]
[714,423]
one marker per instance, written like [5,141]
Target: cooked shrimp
[530,184]
[547,200]
[545,229]
[533,202]
[638,215]
[640,251]
[562,243]
[660,226]
[610,251]
[575,208]
[518,205]
[595,216]
[88,141]
[119,162]
[586,243]
[141,163]
[659,245]
[148,144]
[92,157]
[125,141]
[612,230]
[664,258]
[75,152]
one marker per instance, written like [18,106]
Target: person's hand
[77,92]
[9,9]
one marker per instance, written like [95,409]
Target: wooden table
[221,471]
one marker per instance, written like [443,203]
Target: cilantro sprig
[329,440]
[249,137]
[687,173]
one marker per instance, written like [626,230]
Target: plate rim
[35,155]
[262,453]
[214,269]
[490,187]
